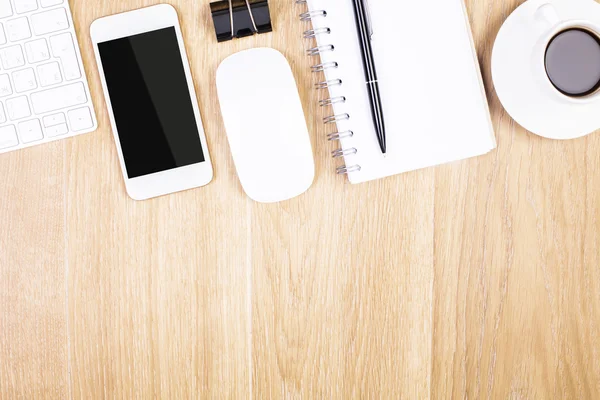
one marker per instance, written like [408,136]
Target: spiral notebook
[434,100]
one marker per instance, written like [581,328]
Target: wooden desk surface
[478,279]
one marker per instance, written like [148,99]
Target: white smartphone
[151,101]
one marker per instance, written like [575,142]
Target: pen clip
[367,10]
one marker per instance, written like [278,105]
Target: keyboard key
[18,107]
[18,29]
[23,6]
[49,74]
[50,3]
[43,92]
[63,48]
[5,87]
[12,57]
[57,130]
[57,98]
[54,119]
[5,9]
[2,114]
[30,131]
[37,50]
[24,80]
[2,35]
[42,89]
[8,137]
[80,119]
[49,21]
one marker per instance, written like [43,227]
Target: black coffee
[573,62]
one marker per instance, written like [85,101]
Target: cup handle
[546,17]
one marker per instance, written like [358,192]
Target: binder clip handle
[240,18]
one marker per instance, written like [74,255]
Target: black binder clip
[239,18]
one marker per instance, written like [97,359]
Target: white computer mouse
[265,125]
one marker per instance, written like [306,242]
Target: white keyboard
[44,94]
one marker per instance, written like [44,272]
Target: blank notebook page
[434,101]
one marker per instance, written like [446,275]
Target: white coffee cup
[520,74]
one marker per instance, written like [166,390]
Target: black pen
[364,35]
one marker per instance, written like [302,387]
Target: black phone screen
[151,102]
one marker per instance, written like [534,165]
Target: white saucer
[519,75]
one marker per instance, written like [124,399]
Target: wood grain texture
[157,288]
[33,297]
[476,279]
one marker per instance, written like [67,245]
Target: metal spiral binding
[309,15]
[344,170]
[312,33]
[339,135]
[332,100]
[317,51]
[336,118]
[328,84]
[344,152]
[322,67]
